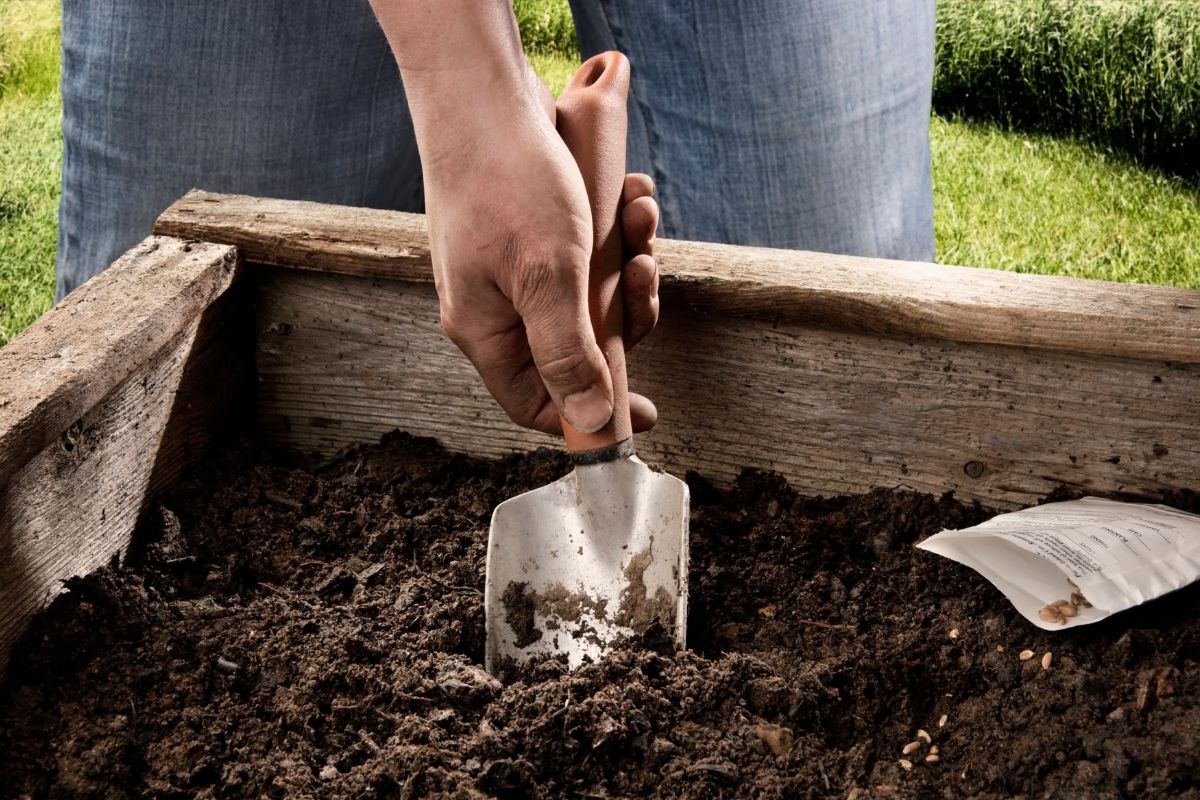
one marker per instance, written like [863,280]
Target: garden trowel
[601,554]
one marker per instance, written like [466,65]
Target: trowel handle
[591,118]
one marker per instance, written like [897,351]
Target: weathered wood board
[842,373]
[892,298]
[102,402]
[344,359]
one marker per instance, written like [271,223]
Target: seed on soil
[905,763]
[954,633]
[933,758]
[1047,659]
[942,721]
[924,736]
[911,747]
[933,751]
[999,648]
[1026,655]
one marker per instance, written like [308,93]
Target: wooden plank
[343,360]
[105,331]
[171,343]
[834,292]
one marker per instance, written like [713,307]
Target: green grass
[1122,73]
[555,69]
[1035,203]
[29,47]
[547,27]
[1002,199]
[30,159]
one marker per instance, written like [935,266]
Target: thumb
[565,351]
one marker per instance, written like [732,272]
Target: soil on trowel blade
[290,629]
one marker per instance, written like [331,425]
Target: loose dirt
[292,629]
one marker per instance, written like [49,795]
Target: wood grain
[105,331]
[171,344]
[833,292]
[343,360]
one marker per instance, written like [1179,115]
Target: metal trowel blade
[597,556]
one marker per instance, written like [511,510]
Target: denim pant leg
[298,99]
[786,123]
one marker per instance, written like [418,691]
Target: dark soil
[316,630]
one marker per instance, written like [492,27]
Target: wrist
[459,118]
[450,50]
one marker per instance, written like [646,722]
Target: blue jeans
[785,123]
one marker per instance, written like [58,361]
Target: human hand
[510,230]
[509,221]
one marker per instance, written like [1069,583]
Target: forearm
[450,35]
[461,62]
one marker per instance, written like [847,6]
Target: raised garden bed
[298,628]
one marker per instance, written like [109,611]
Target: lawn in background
[1037,203]
[1120,73]
[1002,199]
[30,159]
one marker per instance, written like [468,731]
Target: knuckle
[522,397]
[543,274]
[566,365]
[638,277]
[525,410]
[451,327]
[535,282]
[638,184]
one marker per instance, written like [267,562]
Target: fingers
[639,293]
[639,278]
[639,221]
[637,184]
[505,361]
[552,301]
[492,337]
[639,214]
[642,413]
[530,336]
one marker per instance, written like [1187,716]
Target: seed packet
[1072,563]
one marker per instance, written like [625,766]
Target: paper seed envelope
[1068,564]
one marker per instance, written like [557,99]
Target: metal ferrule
[604,455]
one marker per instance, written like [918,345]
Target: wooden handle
[591,118]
